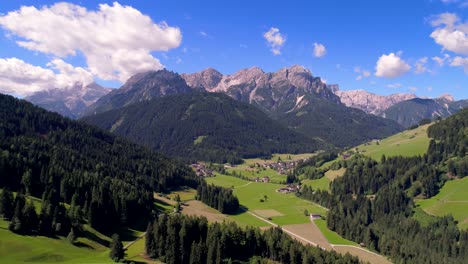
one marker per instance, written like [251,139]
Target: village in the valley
[282,167]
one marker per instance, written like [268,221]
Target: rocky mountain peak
[447,97]
[70,102]
[208,79]
[369,102]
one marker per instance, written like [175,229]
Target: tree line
[182,239]
[219,198]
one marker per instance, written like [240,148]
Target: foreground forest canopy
[373,202]
[107,179]
[181,239]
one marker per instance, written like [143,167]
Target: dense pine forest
[373,202]
[204,126]
[106,180]
[221,199]
[182,239]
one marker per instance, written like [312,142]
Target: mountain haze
[71,102]
[410,112]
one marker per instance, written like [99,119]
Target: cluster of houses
[281,167]
[201,170]
[265,179]
[291,188]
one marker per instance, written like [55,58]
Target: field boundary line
[134,241]
[363,249]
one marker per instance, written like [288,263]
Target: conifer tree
[7,208]
[116,247]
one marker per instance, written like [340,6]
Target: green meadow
[331,236]
[318,184]
[451,199]
[263,196]
[90,247]
[407,143]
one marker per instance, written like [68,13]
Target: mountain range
[291,97]
[404,108]
[70,102]
[203,126]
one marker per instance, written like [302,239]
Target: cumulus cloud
[450,33]
[115,40]
[22,79]
[275,40]
[391,66]
[319,50]
[441,60]
[421,65]
[460,62]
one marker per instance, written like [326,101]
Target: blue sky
[230,35]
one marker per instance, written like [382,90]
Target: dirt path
[310,232]
[361,253]
[134,241]
[304,234]
[235,187]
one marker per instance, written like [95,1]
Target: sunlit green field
[318,184]
[290,208]
[331,236]
[407,143]
[452,199]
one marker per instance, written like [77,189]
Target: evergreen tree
[116,247]
[31,219]
[7,207]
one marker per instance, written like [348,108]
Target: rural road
[371,257]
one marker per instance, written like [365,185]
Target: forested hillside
[373,202]
[203,126]
[106,180]
[181,239]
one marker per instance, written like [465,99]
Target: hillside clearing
[451,199]
[407,143]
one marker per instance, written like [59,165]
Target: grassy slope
[92,248]
[18,249]
[318,184]
[407,143]
[452,199]
[331,236]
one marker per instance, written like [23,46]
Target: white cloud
[460,62]
[450,33]
[115,40]
[362,73]
[421,65]
[319,50]
[391,66]
[441,60]
[22,79]
[429,88]
[203,33]
[275,40]
[394,85]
